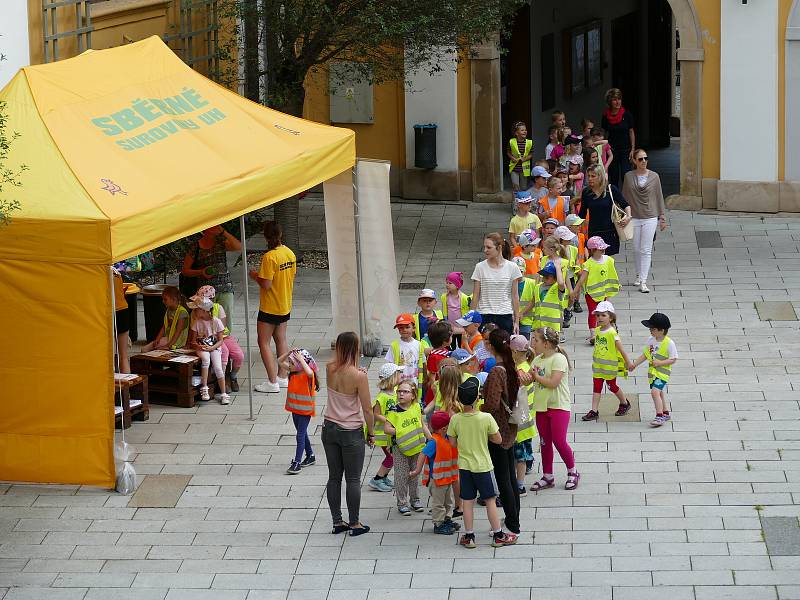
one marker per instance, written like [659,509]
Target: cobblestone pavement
[674,513]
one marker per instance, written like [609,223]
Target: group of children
[567,155]
[205,331]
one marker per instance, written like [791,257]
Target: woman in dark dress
[619,125]
[596,202]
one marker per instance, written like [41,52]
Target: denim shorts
[658,384]
[473,483]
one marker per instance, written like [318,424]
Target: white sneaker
[224,399]
[268,387]
[644,289]
[204,394]
[638,281]
[562,338]
[284,383]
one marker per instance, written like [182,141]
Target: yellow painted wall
[708,11]
[464,108]
[384,138]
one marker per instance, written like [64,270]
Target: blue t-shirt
[430,452]
[423,326]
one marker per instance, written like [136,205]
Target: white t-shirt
[653,344]
[496,290]
[409,357]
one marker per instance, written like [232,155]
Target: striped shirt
[496,290]
[521,149]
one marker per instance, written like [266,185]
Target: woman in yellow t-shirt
[551,401]
[275,279]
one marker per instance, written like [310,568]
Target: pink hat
[596,243]
[206,291]
[518,343]
[306,357]
[456,278]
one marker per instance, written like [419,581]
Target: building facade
[721,78]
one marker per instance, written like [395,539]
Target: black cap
[657,321]
[468,391]
[573,139]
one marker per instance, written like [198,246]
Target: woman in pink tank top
[349,406]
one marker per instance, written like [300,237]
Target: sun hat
[520,262]
[604,306]
[403,319]
[572,220]
[206,291]
[461,356]
[518,343]
[564,233]
[439,419]
[473,317]
[529,237]
[201,303]
[596,243]
[540,172]
[306,357]
[387,370]
[426,293]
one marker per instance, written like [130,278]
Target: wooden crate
[133,397]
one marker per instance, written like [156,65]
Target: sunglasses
[641,158]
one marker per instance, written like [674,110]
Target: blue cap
[460,355]
[549,269]
[473,317]
[540,172]
[523,196]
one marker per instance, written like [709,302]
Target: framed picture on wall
[583,64]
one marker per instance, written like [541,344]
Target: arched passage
[691,57]
[792,106]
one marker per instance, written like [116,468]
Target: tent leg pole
[245,279]
[359,274]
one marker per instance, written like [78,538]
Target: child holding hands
[389,376]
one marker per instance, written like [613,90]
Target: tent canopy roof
[129,149]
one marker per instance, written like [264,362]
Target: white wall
[749,90]
[553,16]
[432,99]
[792,74]
[13,38]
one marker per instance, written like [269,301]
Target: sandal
[340,527]
[572,481]
[592,415]
[623,409]
[543,484]
[358,529]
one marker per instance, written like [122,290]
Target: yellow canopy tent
[128,149]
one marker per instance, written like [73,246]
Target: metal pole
[246,279]
[360,286]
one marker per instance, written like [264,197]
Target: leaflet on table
[124,376]
[157,353]
[183,358]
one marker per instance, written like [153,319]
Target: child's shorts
[523,451]
[658,384]
[472,483]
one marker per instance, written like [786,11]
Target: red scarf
[614,119]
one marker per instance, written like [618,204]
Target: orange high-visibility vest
[300,395]
[445,463]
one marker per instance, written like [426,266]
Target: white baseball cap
[427,293]
[605,306]
[387,370]
[564,233]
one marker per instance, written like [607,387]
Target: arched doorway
[792,106]
[691,57]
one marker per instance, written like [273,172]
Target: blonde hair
[410,383]
[613,93]
[390,382]
[552,243]
[449,380]
[550,336]
[600,172]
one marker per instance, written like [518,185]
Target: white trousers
[644,232]
[215,358]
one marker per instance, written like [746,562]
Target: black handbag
[186,284]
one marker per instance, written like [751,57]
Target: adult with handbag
[207,263]
[642,189]
[499,392]
[601,200]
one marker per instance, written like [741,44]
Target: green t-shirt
[560,397]
[472,431]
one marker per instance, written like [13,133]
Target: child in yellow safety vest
[523,446]
[409,432]
[609,360]
[599,278]
[573,223]
[303,387]
[175,331]
[427,315]
[389,375]
[549,308]
[660,353]
[439,459]
[407,352]
[455,304]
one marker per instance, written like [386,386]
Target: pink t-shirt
[453,307]
[207,330]
[344,410]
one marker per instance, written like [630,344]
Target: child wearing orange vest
[441,458]
[303,387]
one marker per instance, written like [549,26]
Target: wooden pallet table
[132,394]
[170,377]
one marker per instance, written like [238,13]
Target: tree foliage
[9,176]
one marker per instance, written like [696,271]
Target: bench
[171,376]
[131,399]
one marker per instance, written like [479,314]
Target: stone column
[487,177]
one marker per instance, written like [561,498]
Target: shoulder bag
[625,232]
[519,413]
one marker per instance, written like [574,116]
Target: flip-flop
[356,531]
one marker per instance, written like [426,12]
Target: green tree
[9,176]
[384,40]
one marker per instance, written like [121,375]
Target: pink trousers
[230,347]
[552,425]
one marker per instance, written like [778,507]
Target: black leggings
[505,472]
[344,449]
